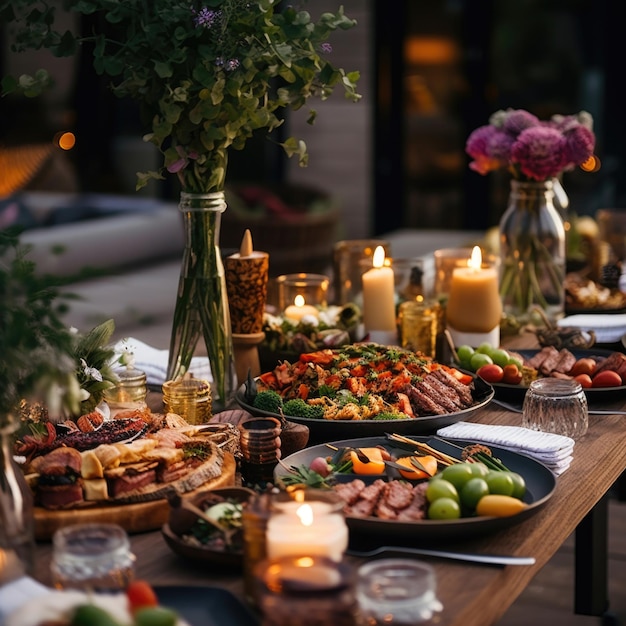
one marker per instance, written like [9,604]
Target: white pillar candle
[379,302]
[307,529]
[474,308]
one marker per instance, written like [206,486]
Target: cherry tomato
[490,373]
[584,380]
[608,378]
[511,375]
[140,594]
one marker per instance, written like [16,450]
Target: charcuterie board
[134,517]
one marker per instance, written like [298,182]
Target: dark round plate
[516,393]
[540,484]
[321,430]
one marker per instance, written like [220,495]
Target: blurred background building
[431,72]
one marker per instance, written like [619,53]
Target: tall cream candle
[379,303]
[474,304]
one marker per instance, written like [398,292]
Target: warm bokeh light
[65,140]
[592,164]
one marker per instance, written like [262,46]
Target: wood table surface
[475,595]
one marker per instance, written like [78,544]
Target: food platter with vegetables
[601,373]
[447,489]
[361,389]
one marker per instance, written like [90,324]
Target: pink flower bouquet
[531,149]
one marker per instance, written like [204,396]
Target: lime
[485,348]
[458,474]
[500,483]
[473,490]
[479,359]
[479,469]
[519,485]
[440,488]
[500,357]
[444,508]
[464,353]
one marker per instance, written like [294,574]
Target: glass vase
[201,312]
[532,252]
[17,522]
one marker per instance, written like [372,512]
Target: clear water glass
[92,557]
[555,405]
[401,592]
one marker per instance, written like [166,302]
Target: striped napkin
[554,451]
[153,362]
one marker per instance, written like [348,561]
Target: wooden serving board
[134,517]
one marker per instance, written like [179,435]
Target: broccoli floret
[388,415]
[268,400]
[299,408]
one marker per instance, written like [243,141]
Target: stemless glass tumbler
[556,405]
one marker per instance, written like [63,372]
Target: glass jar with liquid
[130,392]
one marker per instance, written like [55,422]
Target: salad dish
[427,520]
[365,389]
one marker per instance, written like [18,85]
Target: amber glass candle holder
[313,288]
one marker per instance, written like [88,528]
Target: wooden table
[478,595]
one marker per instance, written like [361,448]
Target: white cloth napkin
[608,328]
[554,451]
[153,361]
[17,592]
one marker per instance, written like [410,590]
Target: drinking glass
[555,405]
[401,592]
[92,557]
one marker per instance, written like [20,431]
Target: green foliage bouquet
[207,73]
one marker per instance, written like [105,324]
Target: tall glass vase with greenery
[208,74]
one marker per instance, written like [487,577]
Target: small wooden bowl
[182,520]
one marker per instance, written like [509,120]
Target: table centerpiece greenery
[207,74]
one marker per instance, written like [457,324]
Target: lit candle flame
[476,260]
[379,257]
[299,300]
[305,513]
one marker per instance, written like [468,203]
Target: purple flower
[580,143]
[326,48]
[181,163]
[483,146]
[231,65]
[540,152]
[205,17]
[515,121]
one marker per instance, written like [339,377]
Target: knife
[518,409]
[489,559]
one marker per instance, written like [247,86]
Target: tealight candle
[379,301]
[474,308]
[307,527]
[299,310]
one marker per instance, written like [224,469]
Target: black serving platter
[540,484]
[321,430]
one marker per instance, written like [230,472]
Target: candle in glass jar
[299,309]
[474,307]
[307,528]
[379,302]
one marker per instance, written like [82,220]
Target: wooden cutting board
[134,517]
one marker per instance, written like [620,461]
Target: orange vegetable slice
[418,467]
[376,465]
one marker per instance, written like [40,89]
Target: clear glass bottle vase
[201,311]
[17,522]
[532,252]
